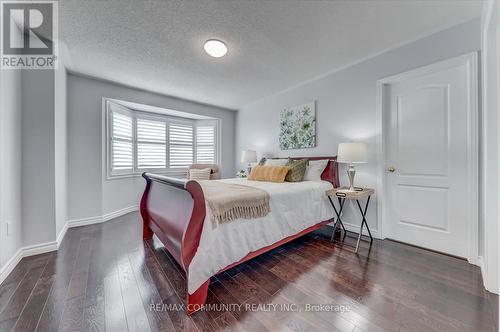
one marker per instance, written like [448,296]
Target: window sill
[178,174]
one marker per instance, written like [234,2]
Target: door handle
[391,169]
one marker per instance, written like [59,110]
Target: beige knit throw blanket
[232,201]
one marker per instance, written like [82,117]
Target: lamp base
[351,171]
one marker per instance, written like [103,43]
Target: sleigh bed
[176,212]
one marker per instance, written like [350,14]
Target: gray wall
[38,155]
[10,164]
[89,193]
[346,104]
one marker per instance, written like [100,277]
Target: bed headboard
[331,172]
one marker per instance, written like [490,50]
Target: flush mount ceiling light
[215,48]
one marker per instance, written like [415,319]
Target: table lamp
[351,153]
[249,157]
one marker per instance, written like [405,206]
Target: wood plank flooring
[105,278]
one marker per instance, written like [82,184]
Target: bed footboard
[174,210]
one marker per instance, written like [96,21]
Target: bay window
[139,141]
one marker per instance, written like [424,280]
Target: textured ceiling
[273,45]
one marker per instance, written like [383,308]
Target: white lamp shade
[351,153]
[248,156]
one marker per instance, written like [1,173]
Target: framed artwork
[298,127]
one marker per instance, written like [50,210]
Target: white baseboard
[27,251]
[10,265]
[103,218]
[61,234]
[38,249]
[119,213]
[84,221]
[355,229]
[480,263]
[486,283]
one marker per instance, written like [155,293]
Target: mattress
[295,206]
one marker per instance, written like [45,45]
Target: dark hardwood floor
[104,277]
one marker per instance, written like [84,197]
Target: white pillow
[315,169]
[276,162]
[200,174]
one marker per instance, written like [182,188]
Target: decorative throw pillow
[297,170]
[276,162]
[200,174]
[262,161]
[315,169]
[268,173]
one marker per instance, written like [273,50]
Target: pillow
[276,162]
[200,174]
[262,161]
[268,173]
[297,170]
[314,170]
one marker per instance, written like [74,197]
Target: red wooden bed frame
[174,210]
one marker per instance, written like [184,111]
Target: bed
[175,211]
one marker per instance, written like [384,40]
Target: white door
[428,149]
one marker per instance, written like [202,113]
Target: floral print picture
[298,127]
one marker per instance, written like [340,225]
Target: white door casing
[490,146]
[428,132]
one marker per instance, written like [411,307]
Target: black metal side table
[342,194]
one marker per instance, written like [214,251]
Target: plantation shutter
[122,142]
[205,144]
[151,144]
[180,145]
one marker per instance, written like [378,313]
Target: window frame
[135,114]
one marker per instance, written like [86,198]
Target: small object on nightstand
[241,174]
[249,157]
[346,193]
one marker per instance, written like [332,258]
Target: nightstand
[342,194]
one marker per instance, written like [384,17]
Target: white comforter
[295,206]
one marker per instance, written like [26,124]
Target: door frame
[471,61]
[490,143]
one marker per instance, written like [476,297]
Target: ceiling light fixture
[215,48]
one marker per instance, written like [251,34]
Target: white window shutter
[151,144]
[180,145]
[205,144]
[122,142]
